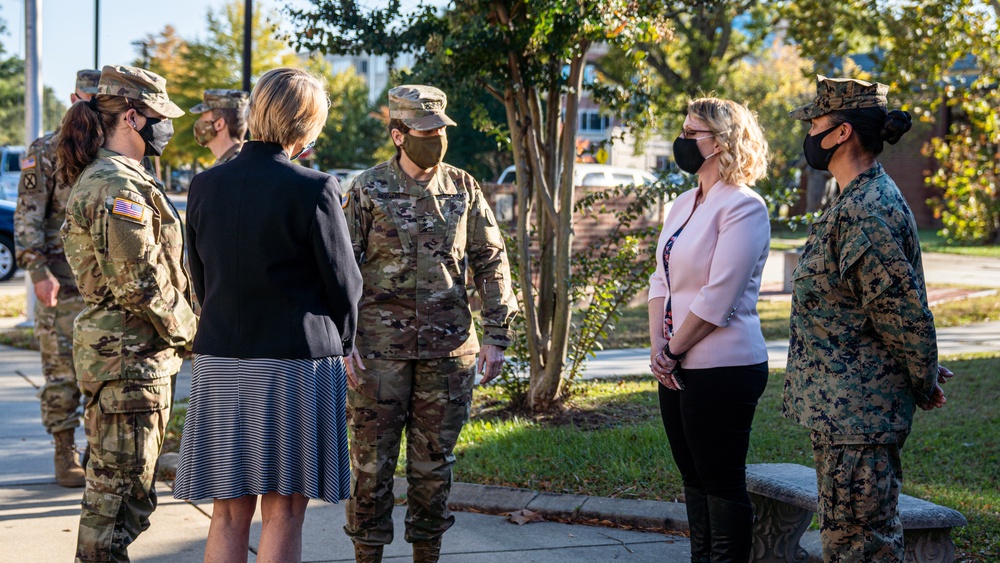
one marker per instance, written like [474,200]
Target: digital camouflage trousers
[430,400]
[859,479]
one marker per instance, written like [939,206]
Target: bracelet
[672,356]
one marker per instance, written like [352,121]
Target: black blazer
[271,259]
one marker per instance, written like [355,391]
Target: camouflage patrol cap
[419,107]
[834,94]
[86,81]
[221,99]
[138,84]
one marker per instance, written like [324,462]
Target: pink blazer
[715,269]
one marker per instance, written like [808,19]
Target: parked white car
[10,171]
[587,174]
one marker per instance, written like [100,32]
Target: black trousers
[708,426]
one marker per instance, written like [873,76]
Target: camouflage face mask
[204,131]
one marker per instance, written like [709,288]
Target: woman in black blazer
[272,265]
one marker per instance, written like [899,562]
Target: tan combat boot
[367,553]
[427,551]
[69,473]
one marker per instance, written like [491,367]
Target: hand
[352,362]
[937,399]
[490,362]
[663,369]
[47,291]
[944,374]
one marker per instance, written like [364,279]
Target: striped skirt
[259,425]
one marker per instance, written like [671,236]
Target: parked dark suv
[8,265]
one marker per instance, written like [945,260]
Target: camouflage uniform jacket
[41,209]
[414,244]
[863,349]
[229,154]
[125,243]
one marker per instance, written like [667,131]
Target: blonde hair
[743,149]
[287,105]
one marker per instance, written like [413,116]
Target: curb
[492,499]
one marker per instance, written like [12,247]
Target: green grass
[930,241]
[632,330]
[609,442]
[19,338]
[12,305]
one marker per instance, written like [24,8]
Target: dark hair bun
[896,123]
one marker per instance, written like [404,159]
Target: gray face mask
[156,133]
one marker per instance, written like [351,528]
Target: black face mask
[156,133]
[816,155]
[688,155]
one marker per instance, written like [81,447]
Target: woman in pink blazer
[707,351]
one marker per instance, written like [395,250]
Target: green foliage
[191,67]
[611,271]
[353,132]
[12,103]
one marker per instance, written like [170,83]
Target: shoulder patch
[129,209]
[345,198]
[28,163]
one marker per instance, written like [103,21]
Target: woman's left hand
[663,369]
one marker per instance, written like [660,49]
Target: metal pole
[32,102]
[247,40]
[97,30]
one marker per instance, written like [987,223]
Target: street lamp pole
[97,30]
[247,40]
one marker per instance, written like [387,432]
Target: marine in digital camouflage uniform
[41,207]
[863,349]
[124,242]
[415,243]
[222,124]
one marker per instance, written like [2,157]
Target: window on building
[363,67]
[592,121]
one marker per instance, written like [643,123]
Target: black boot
[732,530]
[696,502]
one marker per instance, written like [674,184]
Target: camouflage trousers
[431,400]
[60,395]
[125,421]
[859,479]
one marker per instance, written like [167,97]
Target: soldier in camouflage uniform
[124,242]
[41,207]
[222,124]
[417,227]
[863,351]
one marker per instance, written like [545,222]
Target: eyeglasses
[690,133]
[304,149]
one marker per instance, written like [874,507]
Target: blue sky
[68,31]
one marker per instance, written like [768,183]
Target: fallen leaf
[524,516]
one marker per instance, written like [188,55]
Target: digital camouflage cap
[834,94]
[87,80]
[138,84]
[419,107]
[221,99]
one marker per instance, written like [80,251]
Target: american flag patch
[129,209]
[28,163]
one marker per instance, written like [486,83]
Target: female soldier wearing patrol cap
[863,350]
[222,124]
[124,242]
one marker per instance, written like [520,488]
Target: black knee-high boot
[696,502]
[732,530]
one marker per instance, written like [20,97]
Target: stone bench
[785,498]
